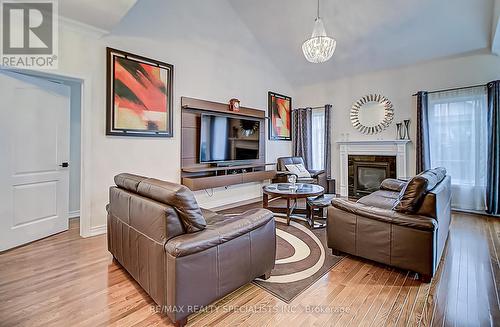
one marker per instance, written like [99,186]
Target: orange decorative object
[234,105]
[139,95]
[280,114]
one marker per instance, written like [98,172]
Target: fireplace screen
[369,178]
[366,173]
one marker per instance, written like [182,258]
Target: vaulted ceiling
[371,34]
[102,14]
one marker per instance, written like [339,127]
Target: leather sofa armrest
[315,173]
[284,173]
[386,215]
[392,184]
[321,179]
[218,233]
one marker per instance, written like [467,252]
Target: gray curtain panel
[302,135]
[328,140]
[422,146]
[493,179]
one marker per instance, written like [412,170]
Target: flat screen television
[225,139]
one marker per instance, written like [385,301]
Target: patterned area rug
[302,257]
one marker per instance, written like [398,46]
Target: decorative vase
[398,130]
[407,129]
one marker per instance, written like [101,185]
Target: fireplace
[371,151]
[366,173]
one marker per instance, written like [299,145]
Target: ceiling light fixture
[320,47]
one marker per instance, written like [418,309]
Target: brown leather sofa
[317,176]
[185,257]
[404,224]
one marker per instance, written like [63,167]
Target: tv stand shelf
[223,168]
[212,177]
[200,176]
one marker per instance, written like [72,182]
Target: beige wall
[398,85]
[219,65]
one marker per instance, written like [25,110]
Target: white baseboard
[236,204]
[74,214]
[97,230]
[475,212]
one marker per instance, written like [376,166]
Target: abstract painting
[139,99]
[280,116]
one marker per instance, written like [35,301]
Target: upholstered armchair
[282,173]
[183,256]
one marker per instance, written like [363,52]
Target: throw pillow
[298,170]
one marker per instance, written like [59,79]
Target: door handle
[64,165]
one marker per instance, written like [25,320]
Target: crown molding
[65,22]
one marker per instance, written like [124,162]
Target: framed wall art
[280,116]
[139,95]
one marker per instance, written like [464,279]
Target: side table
[318,203]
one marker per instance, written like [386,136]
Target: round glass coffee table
[291,194]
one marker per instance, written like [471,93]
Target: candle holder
[407,129]
[398,130]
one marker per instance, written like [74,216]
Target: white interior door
[34,144]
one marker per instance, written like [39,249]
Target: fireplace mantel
[375,142]
[397,148]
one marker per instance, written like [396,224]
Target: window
[458,141]
[318,139]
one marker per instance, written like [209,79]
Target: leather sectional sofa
[185,257]
[404,224]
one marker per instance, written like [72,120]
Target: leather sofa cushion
[209,215]
[177,196]
[386,215]
[157,220]
[288,161]
[433,176]
[128,182]
[220,229]
[440,172]
[392,184]
[412,195]
[381,199]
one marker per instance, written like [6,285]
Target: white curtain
[318,139]
[458,142]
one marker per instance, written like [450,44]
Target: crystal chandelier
[320,47]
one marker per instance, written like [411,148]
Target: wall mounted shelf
[223,168]
[202,182]
[197,104]
[200,176]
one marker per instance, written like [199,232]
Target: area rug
[302,257]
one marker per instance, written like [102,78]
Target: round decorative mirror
[372,114]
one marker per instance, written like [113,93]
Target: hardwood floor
[65,280]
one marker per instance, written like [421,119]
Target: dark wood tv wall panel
[199,176]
